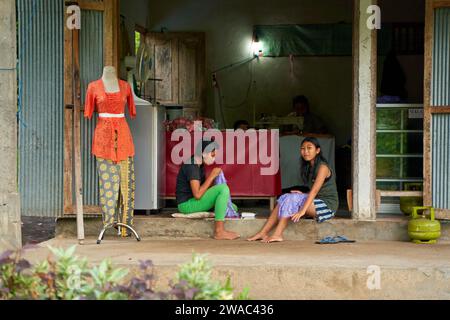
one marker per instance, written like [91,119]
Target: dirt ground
[37,229]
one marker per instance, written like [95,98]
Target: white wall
[136,12]
[228,25]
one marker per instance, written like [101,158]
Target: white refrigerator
[148,133]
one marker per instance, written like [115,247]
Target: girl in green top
[321,203]
[196,193]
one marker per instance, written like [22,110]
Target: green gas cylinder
[422,229]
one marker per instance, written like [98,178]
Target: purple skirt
[290,203]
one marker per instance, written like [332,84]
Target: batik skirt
[117,188]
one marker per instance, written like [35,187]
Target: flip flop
[327,240]
[343,239]
[277,240]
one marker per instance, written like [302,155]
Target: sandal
[327,240]
[343,239]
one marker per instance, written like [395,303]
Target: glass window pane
[411,123]
[388,143]
[388,186]
[389,119]
[388,167]
[413,168]
[414,143]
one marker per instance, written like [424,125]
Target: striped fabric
[323,213]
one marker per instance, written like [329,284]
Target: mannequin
[110,80]
[114,149]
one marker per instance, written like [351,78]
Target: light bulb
[257,48]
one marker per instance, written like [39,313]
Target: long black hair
[306,168]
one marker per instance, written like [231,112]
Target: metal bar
[400,106]
[399,156]
[399,131]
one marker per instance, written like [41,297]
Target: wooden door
[179,61]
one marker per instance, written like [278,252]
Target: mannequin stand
[116,225]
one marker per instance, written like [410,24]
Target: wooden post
[68,120]
[77,135]
[428,56]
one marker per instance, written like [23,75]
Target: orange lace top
[109,129]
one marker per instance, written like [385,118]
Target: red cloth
[100,101]
[244,180]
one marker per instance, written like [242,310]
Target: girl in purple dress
[320,203]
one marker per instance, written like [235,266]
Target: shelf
[400,106]
[399,180]
[401,193]
[398,131]
[399,155]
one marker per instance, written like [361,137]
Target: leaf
[118,274]
[244,295]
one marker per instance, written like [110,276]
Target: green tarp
[316,39]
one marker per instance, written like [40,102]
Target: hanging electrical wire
[216,84]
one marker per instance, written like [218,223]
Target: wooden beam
[116,33]
[86,210]
[87,5]
[108,36]
[428,56]
[437,110]
[68,119]
[111,34]
[401,193]
[77,135]
[441,4]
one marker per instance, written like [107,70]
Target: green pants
[215,197]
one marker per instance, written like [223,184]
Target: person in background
[241,124]
[312,123]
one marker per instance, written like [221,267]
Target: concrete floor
[289,270]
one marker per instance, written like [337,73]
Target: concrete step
[166,227]
[289,270]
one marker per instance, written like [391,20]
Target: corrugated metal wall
[91,64]
[440,95]
[440,165]
[441,122]
[41,82]
[41,106]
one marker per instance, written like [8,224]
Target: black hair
[306,168]
[301,99]
[239,123]
[209,145]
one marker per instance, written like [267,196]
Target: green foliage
[69,277]
[195,279]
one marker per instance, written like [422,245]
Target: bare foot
[273,239]
[258,236]
[226,235]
